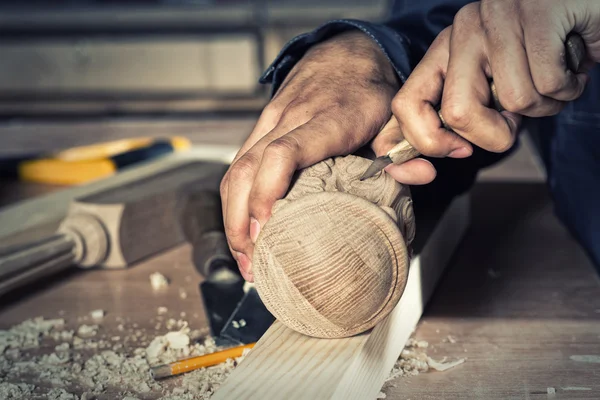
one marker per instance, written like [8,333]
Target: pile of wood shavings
[40,359]
[414,360]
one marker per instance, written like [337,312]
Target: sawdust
[414,360]
[38,360]
[9,391]
[87,331]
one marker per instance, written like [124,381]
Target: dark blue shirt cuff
[394,45]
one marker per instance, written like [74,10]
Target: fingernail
[461,152]
[244,262]
[254,230]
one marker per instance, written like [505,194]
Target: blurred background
[80,72]
[74,72]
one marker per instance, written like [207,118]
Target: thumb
[414,172]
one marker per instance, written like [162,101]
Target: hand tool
[111,228]
[191,364]
[234,310]
[82,164]
[575,54]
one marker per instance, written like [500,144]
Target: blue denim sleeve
[404,37]
[392,43]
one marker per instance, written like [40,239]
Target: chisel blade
[377,165]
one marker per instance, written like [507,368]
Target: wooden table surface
[520,298]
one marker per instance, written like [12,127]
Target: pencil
[191,364]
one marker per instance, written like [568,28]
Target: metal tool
[85,163]
[575,53]
[235,312]
[110,228]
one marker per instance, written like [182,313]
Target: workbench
[518,300]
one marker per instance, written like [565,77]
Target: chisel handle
[575,54]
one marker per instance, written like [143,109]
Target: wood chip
[443,366]
[158,281]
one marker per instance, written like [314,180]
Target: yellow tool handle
[86,163]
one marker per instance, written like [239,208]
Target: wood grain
[332,260]
[286,364]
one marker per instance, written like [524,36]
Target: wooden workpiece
[332,261]
[290,365]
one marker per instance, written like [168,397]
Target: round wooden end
[330,264]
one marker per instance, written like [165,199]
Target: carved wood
[333,259]
[287,365]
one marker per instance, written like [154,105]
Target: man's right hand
[334,100]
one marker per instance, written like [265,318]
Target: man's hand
[518,43]
[335,100]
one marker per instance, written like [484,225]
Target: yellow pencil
[191,364]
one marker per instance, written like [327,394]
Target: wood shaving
[575,388]
[177,339]
[238,324]
[87,331]
[158,281]
[97,368]
[97,315]
[586,358]
[449,339]
[443,365]
[414,361]
[162,310]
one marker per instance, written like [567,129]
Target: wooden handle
[575,53]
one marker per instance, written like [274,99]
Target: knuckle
[550,85]
[519,101]
[445,33]
[443,38]
[258,205]
[224,185]
[244,168]
[457,114]
[235,235]
[427,145]
[272,111]
[397,103]
[501,143]
[466,15]
[490,9]
[284,147]
[296,113]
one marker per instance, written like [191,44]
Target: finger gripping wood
[333,259]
